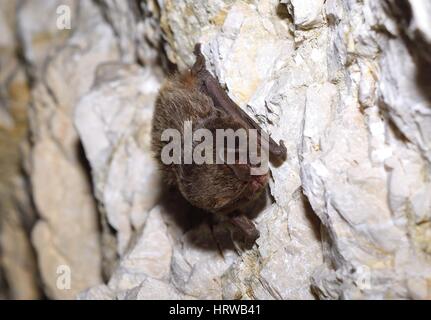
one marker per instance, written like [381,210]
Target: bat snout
[258,182]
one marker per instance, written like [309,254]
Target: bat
[220,188]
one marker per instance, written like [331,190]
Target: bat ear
[197,49]
[200,60]
[242,171]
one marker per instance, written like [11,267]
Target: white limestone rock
[306,14]
[369,162]
[344,83]
[281,264]
[38,32]
[100,292]
[340,93]
[114,123]
[18,272]
[185,22]
[67,233]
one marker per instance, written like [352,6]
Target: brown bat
[223,189]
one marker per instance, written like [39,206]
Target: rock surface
[346,85]
[18,273]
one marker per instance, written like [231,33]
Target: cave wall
[346,85]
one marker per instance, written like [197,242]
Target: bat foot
[283,150]
[278,152]
[247,227]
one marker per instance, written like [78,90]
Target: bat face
[220,187]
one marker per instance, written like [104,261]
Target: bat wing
[211,87]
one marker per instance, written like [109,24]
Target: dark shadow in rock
[85,165]
[283,13]
[416,43]
[196,225]
[183,213]
[83,161]
[107,234]
[420,51]
[312,216]
[423,75]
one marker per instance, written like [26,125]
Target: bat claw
[283,149]
[199,65]
[197,50]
